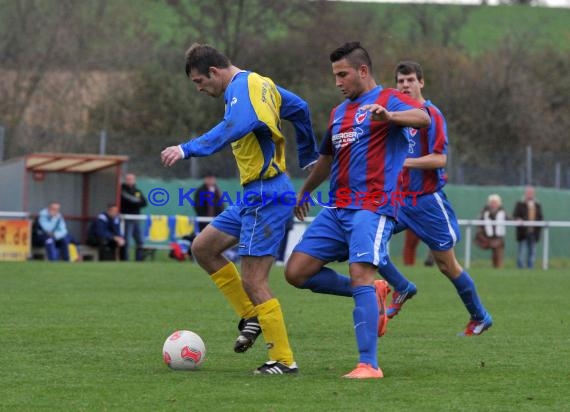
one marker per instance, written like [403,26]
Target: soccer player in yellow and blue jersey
[254,109]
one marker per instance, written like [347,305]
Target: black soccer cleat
[275,368]
[249,331]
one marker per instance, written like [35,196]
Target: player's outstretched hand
[170,155]
[301,208]
[379,113]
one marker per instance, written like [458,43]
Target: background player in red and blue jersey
[363,152]
[430,214]
[255,107]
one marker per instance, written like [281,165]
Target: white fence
[546,225]
[469,224]
[14,215]
[467,241]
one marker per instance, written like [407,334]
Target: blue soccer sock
[328,281]
[468,294]
[393,276]
[365,316]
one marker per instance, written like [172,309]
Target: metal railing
[546,225]
[468,223]
[13,215]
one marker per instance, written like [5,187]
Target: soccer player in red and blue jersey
[363,152]
[429,214]
[255,107]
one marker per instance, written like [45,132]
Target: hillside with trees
[72,69]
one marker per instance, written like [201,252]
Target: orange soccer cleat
[365,371]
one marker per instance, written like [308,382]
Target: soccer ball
[183,350]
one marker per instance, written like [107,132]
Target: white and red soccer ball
[183,350]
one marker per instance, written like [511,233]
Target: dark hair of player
[408,67]
[354,54]
[201,57]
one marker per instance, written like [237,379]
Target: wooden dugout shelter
[82,183]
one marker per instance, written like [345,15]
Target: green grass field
[89,337]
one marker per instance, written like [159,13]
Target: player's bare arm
[415,118]
[429,161]
[321,170]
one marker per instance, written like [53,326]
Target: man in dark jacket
[105,233]
[132,201]
[528,209]
[207,199]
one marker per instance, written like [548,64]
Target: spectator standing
[527,209]
[492,234]
[207,200]
[132,201]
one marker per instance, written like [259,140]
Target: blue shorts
[432,219]
[361,236]
[259,225]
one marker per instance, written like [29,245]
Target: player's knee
[449,269]
[294,276]
[199,249]
[291,277]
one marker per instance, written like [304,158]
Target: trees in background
[69,69]
[58,58]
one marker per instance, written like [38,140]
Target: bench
[90,253]
[149,250]
[87,253]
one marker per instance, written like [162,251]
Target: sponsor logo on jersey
[343,139]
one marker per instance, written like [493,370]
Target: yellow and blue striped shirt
[252,124]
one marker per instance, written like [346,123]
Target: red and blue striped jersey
[432,139]
[368,155]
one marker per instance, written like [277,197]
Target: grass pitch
[89,337]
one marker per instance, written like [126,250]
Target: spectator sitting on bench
[105,233]
[49,231]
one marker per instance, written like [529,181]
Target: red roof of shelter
[71,162]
